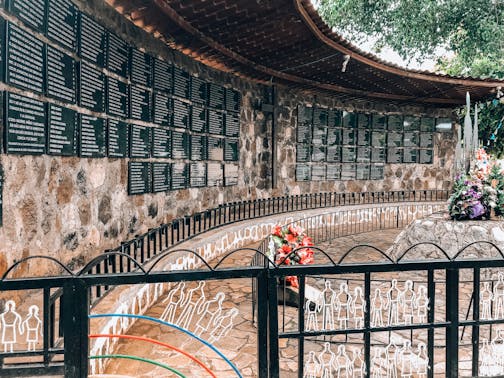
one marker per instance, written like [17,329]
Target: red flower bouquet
[285,240]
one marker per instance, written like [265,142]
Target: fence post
[452,316]
[262,324]
[274,355]
[76,328]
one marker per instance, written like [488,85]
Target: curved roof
[286,41]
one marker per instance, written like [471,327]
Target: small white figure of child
[33,327]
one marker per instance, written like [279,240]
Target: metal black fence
[434,325]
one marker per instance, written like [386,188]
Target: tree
[473,30]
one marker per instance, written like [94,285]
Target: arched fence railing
[431,296]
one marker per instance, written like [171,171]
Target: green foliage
[472,29]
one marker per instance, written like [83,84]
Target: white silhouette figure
[486,298]
[341,363]
[33,327]
[222,325]
[392,304]
[489,366]
[341,305]
[326,361]
[209,312]
[11,324]
[377,363]
[376,309]
[192,301]
[422,304]
[406,360]
[312,367]
[175,299]
[391,359]
[498,295]
[358,307]
[422,359]
[326,305]
[408,299]
[358,364]
[311,315]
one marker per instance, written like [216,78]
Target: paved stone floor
[239,343]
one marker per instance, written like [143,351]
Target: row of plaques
[155,177]
[33,65]
[329,172]
[362,154]
[69,133]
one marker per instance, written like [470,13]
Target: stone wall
[72,208]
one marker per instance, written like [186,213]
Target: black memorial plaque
[394,155]
[139,177]
[394,139]
[349,137]
[304,124]
[334,118]
[181,111]
[62,128]
[364,137]
[318,173]
[118,139]
[117,97]
[199,119]
[92,137]
[233,100]
[140,103]
[411,123]
[181,83]
[31,12]
[92,88]
[230,174]
[140,141]
[378,138]
[25,60]
[377,172]
[379,122]
[411,139]
[92,40]
[197,174]
[320,117]
[62,23]
[395,123]
[303,153]
[349,120]
[215,174]
[348,171]
[319,135]
[303,172]
[362,172]
[199,90]
[333,136]
[410,155]
[363,154]
[333,172]
[426,157]
[61,76]
[426,140]
[163,76]
[161,177]
[231,150]
[215,122]
[378,155]
[161,143]
[305,115]
[117,55]
[348,154]
[427,124]
[141,68]
[163,109]
[180,145]
[333,154]
[199,146]
[215,149]
[1,194]
[364,121]
[232,125]
[318,153]
[25,125]
[216,96]
[180,176]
